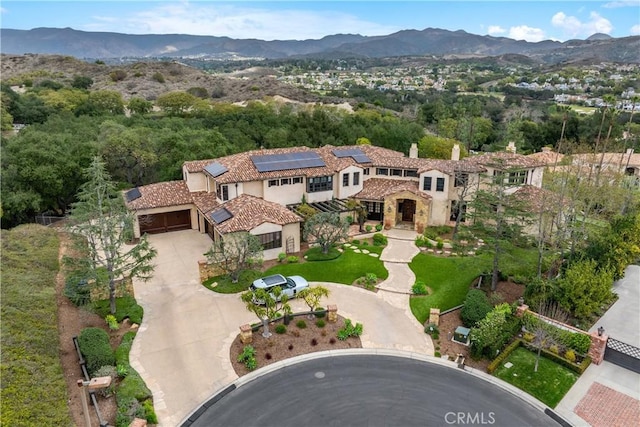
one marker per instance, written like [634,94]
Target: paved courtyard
[182,347]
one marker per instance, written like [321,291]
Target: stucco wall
[196,181]
[346,192]
[253,188]
[283,194]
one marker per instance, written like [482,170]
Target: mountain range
[430,41]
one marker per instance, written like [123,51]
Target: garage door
[164,222]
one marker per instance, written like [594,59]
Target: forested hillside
[72,113]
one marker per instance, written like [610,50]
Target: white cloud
[573,27]
[238,21]
[524,32]
[495,29]
[635,30]
[621,3]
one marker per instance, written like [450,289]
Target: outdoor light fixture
[600,331]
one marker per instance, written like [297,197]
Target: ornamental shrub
[282,256]
[320,323]
[570,355]
[378,227]
[301,324]
[379,239]
[419,288]
[248,357]
[368,228]
[95,348]
[281,329]
[476,307]
[292,259]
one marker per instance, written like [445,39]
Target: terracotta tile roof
[504,160]
[538,199]
[161,194]
[547,157]
[241,168]
[379,188]
[205,202]
[249,212]
[609,158]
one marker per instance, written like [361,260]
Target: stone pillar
[598,347]
[246,334]
[202,268]
[521,310]
[434,316]
[332,313]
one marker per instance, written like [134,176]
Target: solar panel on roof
[355,153]
[133,194]
[280,162]
[221,215]
[215,169]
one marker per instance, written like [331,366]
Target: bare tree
[326,229]
[235,253]
[543,331]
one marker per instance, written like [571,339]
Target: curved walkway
[182,346]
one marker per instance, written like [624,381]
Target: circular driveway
[368,390]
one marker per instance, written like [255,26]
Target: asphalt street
[369,390]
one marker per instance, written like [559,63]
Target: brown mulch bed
[71,321]
[505,292]
[295,342]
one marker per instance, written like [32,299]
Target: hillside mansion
[258,191]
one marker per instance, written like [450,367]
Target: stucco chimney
[413,151]
[511,148]
[455,152]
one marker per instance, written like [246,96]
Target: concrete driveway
[182,346]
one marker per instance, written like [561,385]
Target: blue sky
[285,20]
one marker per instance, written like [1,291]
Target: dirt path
[71,320]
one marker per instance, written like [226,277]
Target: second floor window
[382,171]
[356,178]
[426,183]
[396,172]
[319,183]
[273,183]
[297,180]
[223,192]
[285,181]
[365,171]
[439,184]
[461,179]
[345,179]
[519,177]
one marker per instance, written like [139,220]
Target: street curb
[246,379]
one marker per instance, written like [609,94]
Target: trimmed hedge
[502,356]
[578,368]
[476,307]
[95,348]
[126,307]
[132,393]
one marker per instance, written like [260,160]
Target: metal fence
[623,354]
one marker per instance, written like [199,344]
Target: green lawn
[449,279]
[549,384]
[344,269]
[34,391]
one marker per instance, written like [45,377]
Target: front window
[461,179]
[440,184]
[356,178]
[365,171]
[345,179]
[273,183]
[297,180]
[426,183]
[224,192]
[382,171]
[319,183]
[396,172]
[411,173]
[285,181]
[270,240]
[519,177]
